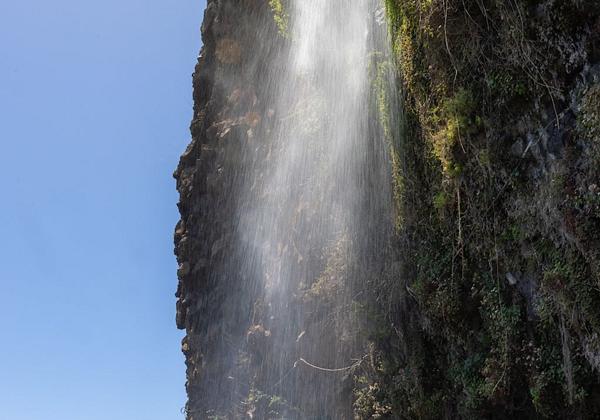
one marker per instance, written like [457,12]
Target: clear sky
[95,104]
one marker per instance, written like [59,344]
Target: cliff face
[500,205]
[250,351]
[214,304]
[483,301]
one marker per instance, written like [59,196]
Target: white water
[315,210]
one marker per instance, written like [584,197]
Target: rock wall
[499,197]
[213,303]
[241,361]
[488,305]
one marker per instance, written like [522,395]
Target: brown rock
[257,338]
[252,119]
[184,269]
[228,51]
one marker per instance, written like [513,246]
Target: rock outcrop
[484,300]
[502,301]
[213,305]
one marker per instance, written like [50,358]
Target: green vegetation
[281,17]
[590,120]
[382,72]
[264,406]
[500,296]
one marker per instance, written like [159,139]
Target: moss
[369,402]
[266,406]
[589,119]
[475,80]
[569,288]
[382,72]
[281,17]
[507,85]
[457,122]
[440,200]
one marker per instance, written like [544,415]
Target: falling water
[314,213]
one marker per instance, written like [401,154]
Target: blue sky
[95,103]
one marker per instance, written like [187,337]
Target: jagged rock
[213,307]
[183,270]
[450,337]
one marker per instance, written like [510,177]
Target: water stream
[315,211]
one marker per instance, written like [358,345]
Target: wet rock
[213,308]
[511,278]
[517,148]
[229,51]
[217,246]
[212,181]
[252,119]
[533,147]
[257,338]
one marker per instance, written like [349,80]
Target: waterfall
[314,215]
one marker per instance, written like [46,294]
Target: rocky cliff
[483,301]
[501,216]
[213,305]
